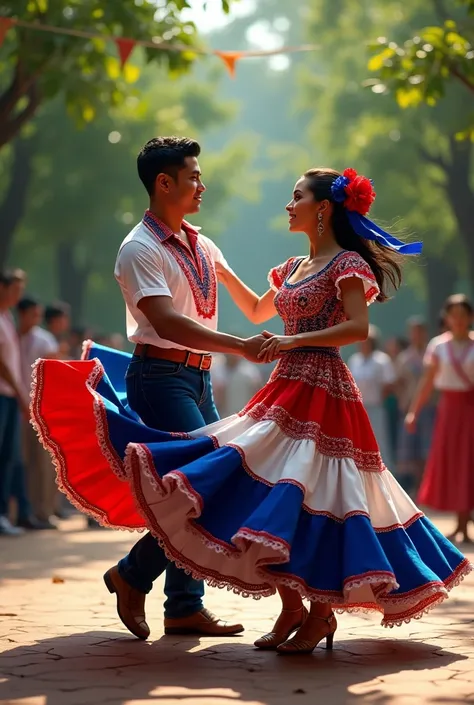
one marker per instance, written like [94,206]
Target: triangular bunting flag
[230,59]
[5,24]
[125,48]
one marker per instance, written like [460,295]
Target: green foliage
[420,69]
[37,66]
[405,152]
[86,193]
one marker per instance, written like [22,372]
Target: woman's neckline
[310,276]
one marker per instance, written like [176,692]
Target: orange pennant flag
[5,24]
[125,48]
[230,59]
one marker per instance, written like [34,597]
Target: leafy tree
[37,66]
[86,195]
[410,155]
[84,74]
[421,68]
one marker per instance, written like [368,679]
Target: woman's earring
[320,224]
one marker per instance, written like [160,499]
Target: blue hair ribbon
[370,231]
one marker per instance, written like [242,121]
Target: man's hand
[274,345]
[252,347]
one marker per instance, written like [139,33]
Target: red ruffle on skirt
[448,482]
[76,435]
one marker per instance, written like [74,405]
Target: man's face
[185,191]
[418,335]
[31,317]
[59,324]
[14,292]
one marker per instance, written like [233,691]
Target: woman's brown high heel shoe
[273,639]
[297,645]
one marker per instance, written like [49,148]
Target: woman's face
[302,209]
[458,319]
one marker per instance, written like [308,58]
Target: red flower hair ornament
[356,194]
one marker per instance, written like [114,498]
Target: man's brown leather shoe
[203,622]
[130,603]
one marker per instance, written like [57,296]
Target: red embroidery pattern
[203,286]
[319,369]
[201,274]
[366,460]
[312,303]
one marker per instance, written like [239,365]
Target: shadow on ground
[105,667]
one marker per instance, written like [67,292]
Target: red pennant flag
[5,24]
[125,48]
[230,59]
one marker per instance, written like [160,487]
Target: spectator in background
[236,380]
[76,337]
[375,376]
[57,319]
[13,403]
[413,448]
[449,368]
[35,342]
[393,347]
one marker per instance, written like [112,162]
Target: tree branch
[434,159]
[464,80]
[10,128]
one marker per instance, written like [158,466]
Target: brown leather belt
[183,357]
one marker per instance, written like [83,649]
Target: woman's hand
[410,422]
[274,345]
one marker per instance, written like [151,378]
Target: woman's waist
[313,350]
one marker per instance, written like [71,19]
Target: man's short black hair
[56,310]
[164,155]
[26,303]
[10,276]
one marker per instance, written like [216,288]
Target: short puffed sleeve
[433,349]
[277,275]
[351,264]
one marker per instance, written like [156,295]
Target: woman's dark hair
[384,262]
[458,300]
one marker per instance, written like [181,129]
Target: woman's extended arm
[422,394]
[257,309]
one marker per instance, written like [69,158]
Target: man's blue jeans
[12,469]
[169,397]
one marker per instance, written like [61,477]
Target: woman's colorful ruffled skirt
[256,500]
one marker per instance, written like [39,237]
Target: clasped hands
[267,347]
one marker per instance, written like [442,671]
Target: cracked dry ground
[61,642]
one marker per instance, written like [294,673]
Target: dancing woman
[291,494]
[448,481]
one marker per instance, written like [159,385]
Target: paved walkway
[61,642]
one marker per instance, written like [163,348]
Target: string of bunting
[125,45]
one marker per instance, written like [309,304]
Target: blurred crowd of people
[29,497]
[388,374]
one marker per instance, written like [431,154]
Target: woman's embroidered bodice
[314,303]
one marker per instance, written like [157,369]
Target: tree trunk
[72,279]
[461,196]
[441,279]
[13,205]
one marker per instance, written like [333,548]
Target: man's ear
[162,182]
